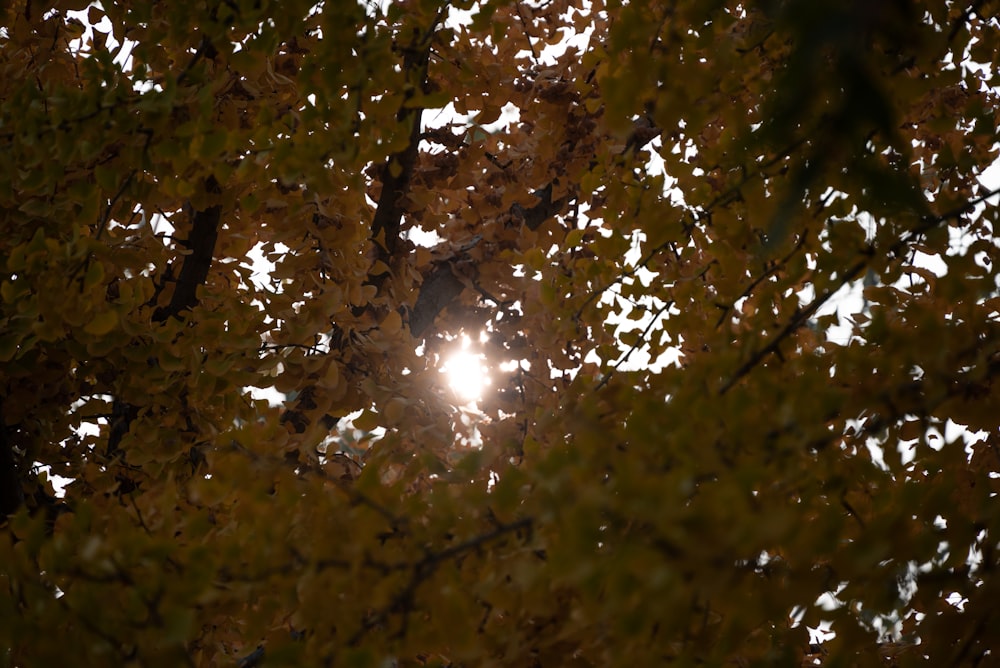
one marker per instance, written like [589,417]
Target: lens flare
[467,373]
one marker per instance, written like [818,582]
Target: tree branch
[422,569]
[439,289]
[441,286]
[397,172]
[962,20]
[635,346]
[389,212]
[803,315]
[538,214]
[11,494]
[194,271]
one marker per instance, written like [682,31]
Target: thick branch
[201,242]
[194,272]
[389,213]
[11,494]
[439,289]
[398,169]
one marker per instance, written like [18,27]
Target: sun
[466,372]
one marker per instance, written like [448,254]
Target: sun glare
[466,371]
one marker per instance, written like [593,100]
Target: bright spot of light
[467,373]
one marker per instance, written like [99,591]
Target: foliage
[592,509]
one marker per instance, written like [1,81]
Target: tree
[699,184]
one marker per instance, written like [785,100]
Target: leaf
[394,411]
[94,275]
[107,178]
[489,114]
[574,238]
[212,144]
[534,259]
[391,324]
[101,323]
[428,101]
[367,421]
[8,346]
[10,292]
[630,337]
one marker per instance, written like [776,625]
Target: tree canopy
[731,265]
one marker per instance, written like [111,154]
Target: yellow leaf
[9,292]
[367,421]
[490,113]
[101,323]
[94,276]
[8,347]
[394,410]
[631,337]
[332,380]
[429,101]
[106,177]
[574,238]
[392,323]
[219,366]
[213,144]
[534,259]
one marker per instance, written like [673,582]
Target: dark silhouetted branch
[194,271]
[439,289]
[11,494]
[193,274]
[803,315]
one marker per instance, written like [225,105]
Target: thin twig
[803,315]
[760,279]
[531,45]
[695,216]
[422,569]
[635,346]
[962,20]
[198,54]
[106,218]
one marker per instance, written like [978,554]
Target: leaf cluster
[735,272]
